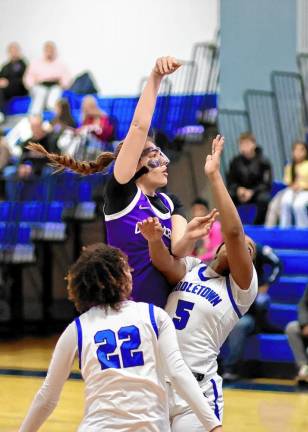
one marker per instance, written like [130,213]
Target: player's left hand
[151,229]
[212,163]
[200,226]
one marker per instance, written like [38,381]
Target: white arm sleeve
[59,369]
[181,377]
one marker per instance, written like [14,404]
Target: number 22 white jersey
[205,307]
[120,364]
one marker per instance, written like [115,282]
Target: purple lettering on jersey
[122,231]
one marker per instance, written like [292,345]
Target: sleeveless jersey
[205,307]
[120,364]
[148,283]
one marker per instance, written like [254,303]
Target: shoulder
[244,298]
[191,263]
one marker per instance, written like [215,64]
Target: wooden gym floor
[255,406]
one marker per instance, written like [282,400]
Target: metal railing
[231,124]
[265,125]
[206,57]
[291,105]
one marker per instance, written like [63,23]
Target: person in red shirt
[95,121]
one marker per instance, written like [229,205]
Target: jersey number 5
[131,341]
[182,313]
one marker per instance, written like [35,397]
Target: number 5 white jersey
[205,307]
[120,364]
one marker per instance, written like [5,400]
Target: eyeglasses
[157,158]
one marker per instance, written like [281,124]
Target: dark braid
[60,162]
[99,277]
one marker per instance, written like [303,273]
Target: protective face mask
[160,159]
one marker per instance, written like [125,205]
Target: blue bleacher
[288,289]
[291,245]
[181,110]
[279,238]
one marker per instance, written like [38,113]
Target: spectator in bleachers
[268,267]
[63,132]
[96,131]
[205,248]
[250,177]
[46,78]
[11,77]
[295,197]
[95,121]
[27,164]
[297,333]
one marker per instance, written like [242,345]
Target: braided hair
[60,162]
[99,278]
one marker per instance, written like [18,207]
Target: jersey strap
[152,318]
[238,313]
[79,339]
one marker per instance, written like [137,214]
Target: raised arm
[172,268]
[128,158]
[239,259]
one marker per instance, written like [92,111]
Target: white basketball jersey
[120,364]
[205,307]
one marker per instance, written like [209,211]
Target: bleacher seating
[181,110]
[291,245]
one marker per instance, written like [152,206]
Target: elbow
[141,124]
[234,232]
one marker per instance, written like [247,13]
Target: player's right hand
[151,229]
[200,226]
[166,65]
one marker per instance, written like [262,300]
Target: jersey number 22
[131,341]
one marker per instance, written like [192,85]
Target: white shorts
[182,418]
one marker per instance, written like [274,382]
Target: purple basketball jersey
[122,231]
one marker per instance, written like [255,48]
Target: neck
[146,189]
[216,266]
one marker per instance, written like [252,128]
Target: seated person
[46,78]
[297,333]
[205,248]
[11,77]
[250,177]
[24,163]
[268,267]
[295,197]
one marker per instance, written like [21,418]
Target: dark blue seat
[288,289]
[293,261]
[281,314]
[247,213]
[269,348]
[278,238]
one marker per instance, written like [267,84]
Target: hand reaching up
[166,65]
[212,163]
[200,226]
[151,229]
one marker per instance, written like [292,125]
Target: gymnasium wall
[118,40]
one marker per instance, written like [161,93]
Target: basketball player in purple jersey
[140,169]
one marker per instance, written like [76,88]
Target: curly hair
[60,162]
[99,278]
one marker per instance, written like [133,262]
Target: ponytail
[60,162]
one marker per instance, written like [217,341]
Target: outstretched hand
[166,65]
[151,229]
[212,163]
[200,226]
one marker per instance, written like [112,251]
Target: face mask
[158,157]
